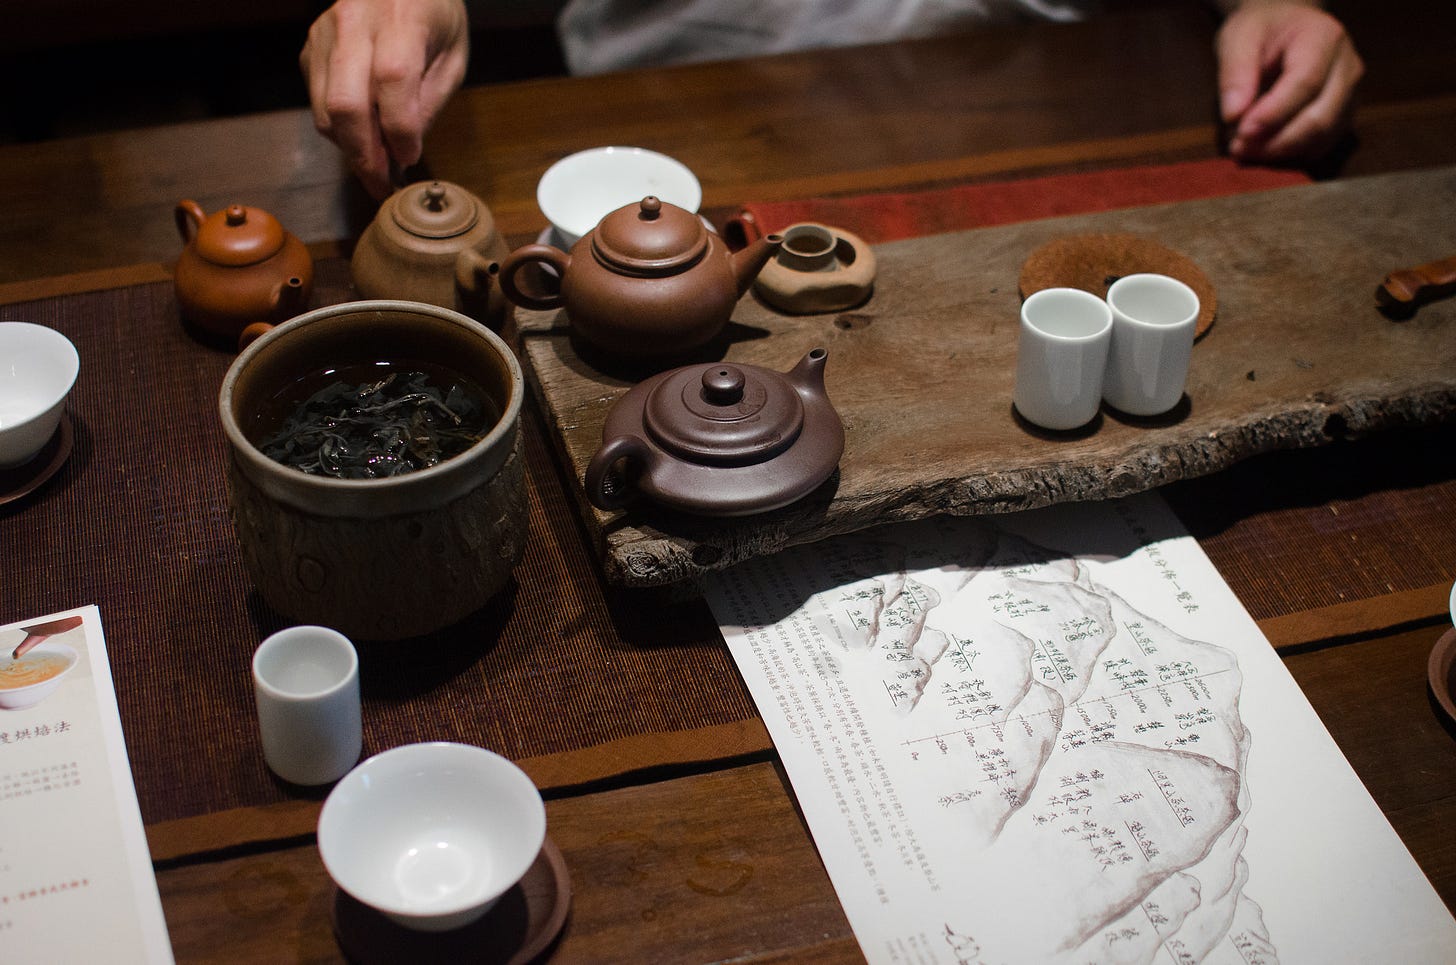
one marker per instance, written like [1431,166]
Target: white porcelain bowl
[582,188]
[431,834]
[18,698]
[38,366]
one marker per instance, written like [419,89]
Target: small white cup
[1154,320]
[1060,357]
[306,684]
[583,188]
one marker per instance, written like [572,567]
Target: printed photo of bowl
[27,680]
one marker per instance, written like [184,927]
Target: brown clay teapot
[433,242]
[719,439]
[239,273]
[649,282]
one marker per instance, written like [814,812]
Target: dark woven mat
[137,523]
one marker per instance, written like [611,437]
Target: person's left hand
[1286,77]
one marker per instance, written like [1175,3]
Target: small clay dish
[818,268]
[1442,671]
[1092,262]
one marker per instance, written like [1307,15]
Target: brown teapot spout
[750,261]
[475,273]
[808,376]
[289,297]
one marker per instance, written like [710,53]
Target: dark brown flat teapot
[649,282]
[239,273]
[721,439]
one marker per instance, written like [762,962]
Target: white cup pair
[1130,349]
[306,685]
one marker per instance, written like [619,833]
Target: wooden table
[711,863]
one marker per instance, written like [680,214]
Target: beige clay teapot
[649,282]
[433,242]
[719,439]
[239,273]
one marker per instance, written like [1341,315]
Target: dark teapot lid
[435,209]
[650,237]
[724,414]
[239,235]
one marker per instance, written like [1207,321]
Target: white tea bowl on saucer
[38,367]
[582,188]
[432,834]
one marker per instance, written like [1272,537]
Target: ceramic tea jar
[437,243]
[722,439]
[377,559]
[649,282]
[239,271]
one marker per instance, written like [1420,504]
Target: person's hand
[378,72]
[1287,73]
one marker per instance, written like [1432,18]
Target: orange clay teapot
[239,273]
[650,282]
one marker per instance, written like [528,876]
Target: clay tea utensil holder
[818,268]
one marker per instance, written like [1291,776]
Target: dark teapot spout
[750,261]
[808,376]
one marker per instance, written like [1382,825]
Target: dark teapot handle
[189,216]
[557,259]
[627,447]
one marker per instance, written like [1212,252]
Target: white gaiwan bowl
[18,698]
[38,366]
[432,834]
[582,188]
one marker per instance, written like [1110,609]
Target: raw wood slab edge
[1298,357]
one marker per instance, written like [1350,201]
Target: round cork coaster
[1093,262]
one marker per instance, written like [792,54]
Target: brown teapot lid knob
[236,215]
[723,385]
[435,196]
[651,207]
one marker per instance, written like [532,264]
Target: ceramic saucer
[518,929]
[21,481]
[1442,671]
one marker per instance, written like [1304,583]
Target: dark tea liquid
[372,420]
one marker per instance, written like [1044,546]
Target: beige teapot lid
[435,209]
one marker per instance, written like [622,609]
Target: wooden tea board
[922,373]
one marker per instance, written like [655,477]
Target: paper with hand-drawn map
[76,881]
[1058,737]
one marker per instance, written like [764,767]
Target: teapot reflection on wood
[649,282]
[719,439]
[239,273]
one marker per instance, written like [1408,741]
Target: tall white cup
[1060,357]
[1154,319]
[306,684]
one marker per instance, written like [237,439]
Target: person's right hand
[378,73]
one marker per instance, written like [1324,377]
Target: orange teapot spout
[289,297]
[750,261]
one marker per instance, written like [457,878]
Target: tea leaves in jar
[366,427]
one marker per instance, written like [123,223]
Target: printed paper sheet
[1058,737]
[76,881]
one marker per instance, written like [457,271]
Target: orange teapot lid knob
[239,235]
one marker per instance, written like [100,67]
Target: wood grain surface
[922,373]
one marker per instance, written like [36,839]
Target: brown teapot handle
[189,215]
[627,447]
[555,258]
